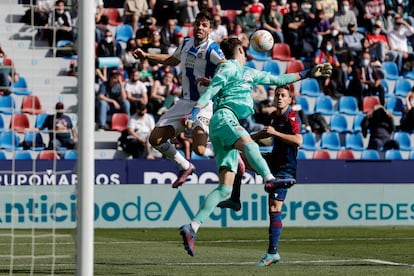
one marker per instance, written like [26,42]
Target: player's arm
[269,131]
[217,83]
[157,58]
[321,70]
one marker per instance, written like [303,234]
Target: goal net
[39,196]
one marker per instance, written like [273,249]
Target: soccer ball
[262,41]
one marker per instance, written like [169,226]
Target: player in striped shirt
[199,57]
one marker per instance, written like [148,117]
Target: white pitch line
[387,262]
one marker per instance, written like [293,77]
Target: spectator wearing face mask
[344,17]
[59,24]
[398,41]
[62,133]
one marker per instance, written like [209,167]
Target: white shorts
[183,107]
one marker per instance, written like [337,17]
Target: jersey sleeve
[216,55]
[266,78]
[219,80]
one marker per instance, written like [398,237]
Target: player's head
[283,98]
[232,47]
[202,25]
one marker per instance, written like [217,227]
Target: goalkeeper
[231,90]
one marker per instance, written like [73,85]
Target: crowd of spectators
[355,36]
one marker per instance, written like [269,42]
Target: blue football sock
[275,230]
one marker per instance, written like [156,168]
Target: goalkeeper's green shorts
[225,130]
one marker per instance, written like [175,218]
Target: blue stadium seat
[34,141]
[404,139]
[2,155]
[271,66]
[387,91]
[109,62]
[259,56]
[310,87]
[301,155]
[354,141]
[40,119]
[324,105]
[124,32]
[411,155]
[339,123]
[1,123]
[356,127]
[370,154]
[7,105]
[195,156]
[393,154]
[9,140]
[391,70]
[70,155]
[348,105]
[402,87]
[303,102]
[330,141]
[20,87]
[395,105]
[309,141]
[22,155]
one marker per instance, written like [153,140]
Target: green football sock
[220,193]
[256,159]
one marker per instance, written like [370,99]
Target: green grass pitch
[218,251]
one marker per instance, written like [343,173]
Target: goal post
[85,164]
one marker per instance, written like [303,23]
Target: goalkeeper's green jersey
[232,84]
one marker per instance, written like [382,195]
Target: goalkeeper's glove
[319,71]
[188,120]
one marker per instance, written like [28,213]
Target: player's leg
[222,191]
[201,131]
[275,202]
[159,139]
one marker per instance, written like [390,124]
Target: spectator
[144,33]
[387,19]
[329,7]
[111,99]
[100,17]
[163,10]
[354,40]
[134,140]
[398,41]
[272,21]
[154,45]
[246,20]
[332,86]
[345,17]
[160,92]
[373,10]
[128,60]
[59,24]
[378,41]
[283,7]
[101,75]
[380,125]
[366,80]
[61,130]
[169,37]
[219,31]
[107,47]
[133,10]
[294,24]
[322,28]
[407,121]
[136,90]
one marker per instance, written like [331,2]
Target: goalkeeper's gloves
[319,71]
[188,120]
